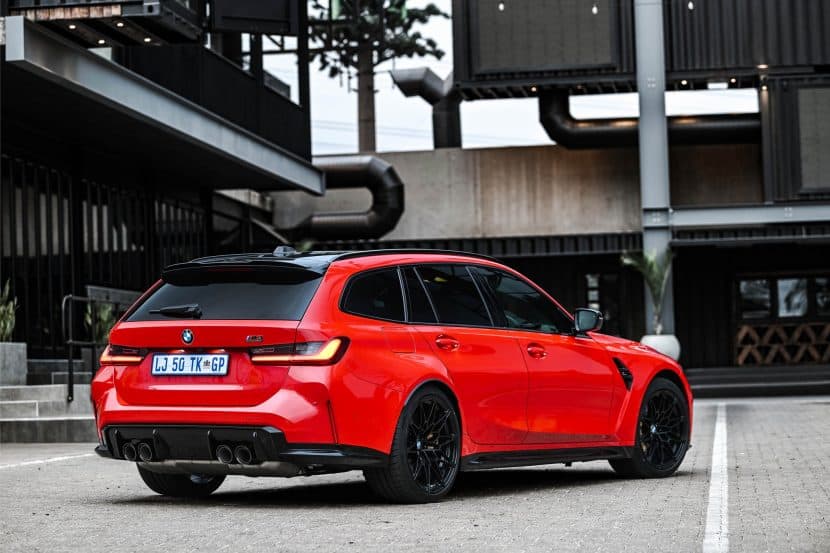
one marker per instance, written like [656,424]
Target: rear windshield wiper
[188,311]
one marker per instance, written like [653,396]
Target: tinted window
[375,294]
[823,296]
[420,310]
[755,299]
[259,295]
[524,306]
[454,295]
[792,297]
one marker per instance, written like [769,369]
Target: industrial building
[122,121]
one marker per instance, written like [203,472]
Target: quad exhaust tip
[224,454]
[145,452]
[243,455]
[129,452]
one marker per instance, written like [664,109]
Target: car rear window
[229,294]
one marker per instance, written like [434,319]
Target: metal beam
[698,217]
[654,146]
[41,52]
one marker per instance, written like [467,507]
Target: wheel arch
[444,387]
[673,377]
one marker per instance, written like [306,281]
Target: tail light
[303,353]
[121,355]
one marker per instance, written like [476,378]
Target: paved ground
[776,492]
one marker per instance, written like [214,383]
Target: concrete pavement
[56,497]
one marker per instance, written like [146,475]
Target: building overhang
[85,99]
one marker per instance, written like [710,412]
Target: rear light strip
[120,355]
[303,353]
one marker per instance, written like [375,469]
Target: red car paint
[515,389]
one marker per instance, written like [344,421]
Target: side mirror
[586,320]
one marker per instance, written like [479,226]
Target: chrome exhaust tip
[224,454]
[145,452]
[243,455]
[129,452]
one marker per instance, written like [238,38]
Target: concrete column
[654,144]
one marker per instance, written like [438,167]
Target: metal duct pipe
[446,111]
[360,171]
[556,118]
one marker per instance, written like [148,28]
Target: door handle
[447,343]
[536,351]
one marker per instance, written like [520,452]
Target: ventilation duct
[556,118]
[360,171]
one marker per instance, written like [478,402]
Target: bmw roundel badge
[187,335]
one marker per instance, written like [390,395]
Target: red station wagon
[408,365]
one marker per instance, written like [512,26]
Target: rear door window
[420,308]
[375,294]
[455,295]
[278,294]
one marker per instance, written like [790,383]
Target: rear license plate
[186,364]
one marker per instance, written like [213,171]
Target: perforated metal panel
[529,35]
[814,130]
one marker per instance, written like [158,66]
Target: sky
[405,124]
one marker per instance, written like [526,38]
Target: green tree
[355,36]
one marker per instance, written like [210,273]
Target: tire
[662,433]
[426,451]
[180,485]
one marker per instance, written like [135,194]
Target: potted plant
[13,359]
[99,318]
[655,270]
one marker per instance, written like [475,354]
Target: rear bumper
[192,448]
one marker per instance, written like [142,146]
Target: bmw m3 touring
[410,365]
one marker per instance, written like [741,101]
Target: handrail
[67,307]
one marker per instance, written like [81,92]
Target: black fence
[59,234]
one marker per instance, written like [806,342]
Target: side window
[523,306]
[420,309]
[375,294]
[455,295]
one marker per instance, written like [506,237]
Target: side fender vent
[625,373]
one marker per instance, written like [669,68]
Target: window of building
[420,310]
[455,295]
[375,294]
[523,306]
[792,297]
[755,299]
[822,296]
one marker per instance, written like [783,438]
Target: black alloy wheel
[662,433]
[426,451]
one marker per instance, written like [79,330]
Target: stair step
[36,366]
[80,406]
[48,430]
[62,377]
[18,409]
[49,392]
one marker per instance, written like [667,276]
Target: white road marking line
[44,461]
[716,536]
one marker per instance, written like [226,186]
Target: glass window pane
[792,297]
[420,310]
[376,294]
[226,295]
[755,299]
[454,295]
[823,296]
[523,306]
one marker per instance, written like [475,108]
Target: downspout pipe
[358,171]
[556,118]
